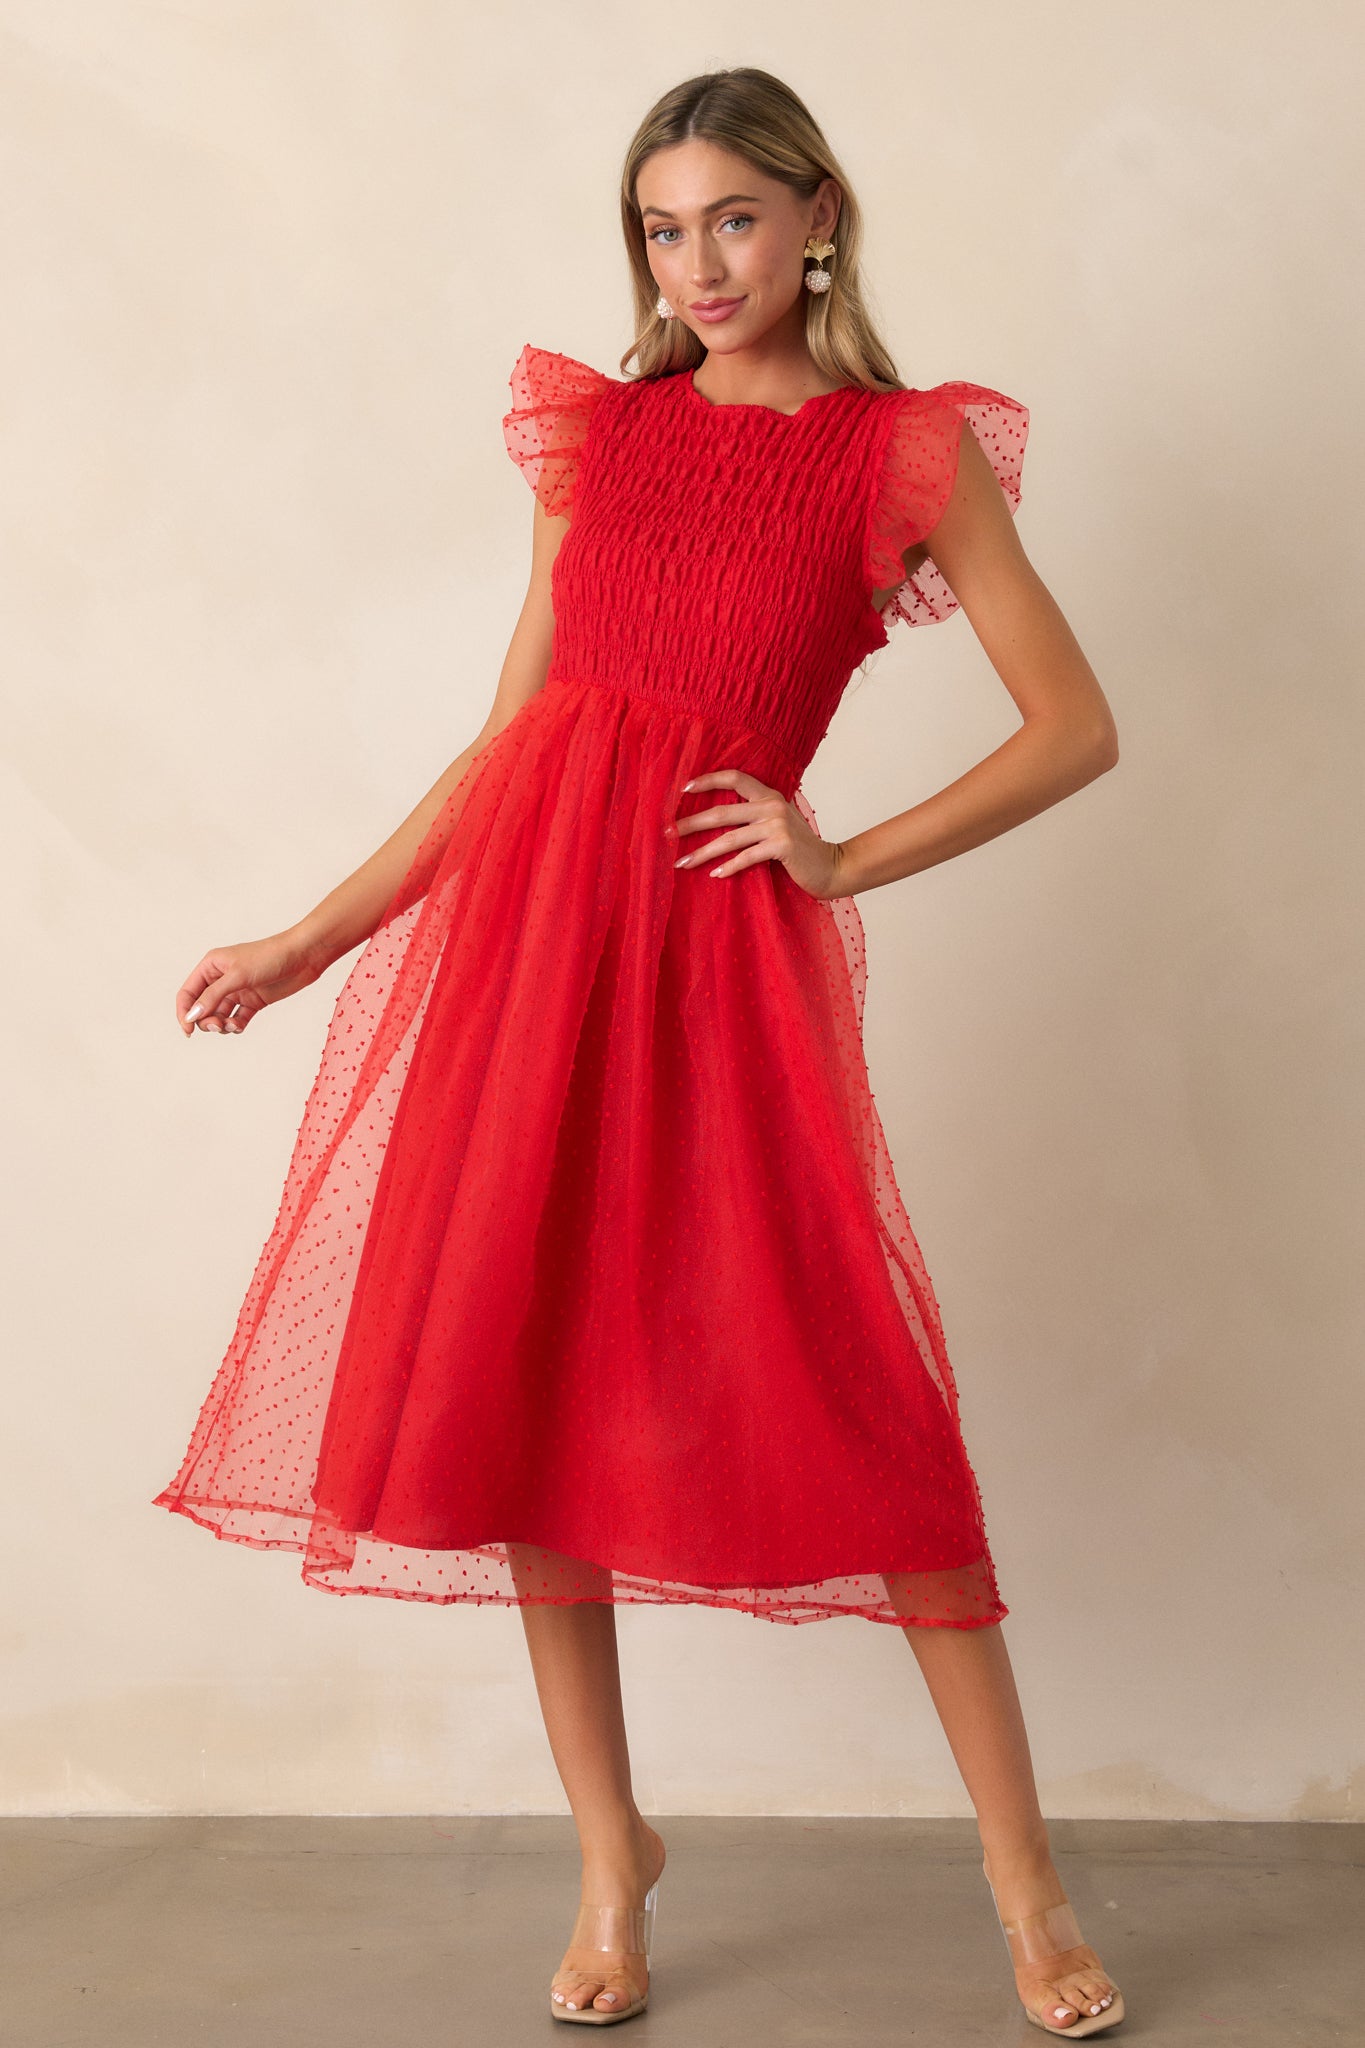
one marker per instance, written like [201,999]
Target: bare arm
[1068,736]
[231,983]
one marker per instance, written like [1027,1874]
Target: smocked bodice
[722,559]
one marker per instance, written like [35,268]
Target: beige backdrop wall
[267,268]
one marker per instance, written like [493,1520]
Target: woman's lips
[720,309]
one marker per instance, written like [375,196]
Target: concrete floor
[443,1933]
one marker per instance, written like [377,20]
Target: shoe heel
[651,1901]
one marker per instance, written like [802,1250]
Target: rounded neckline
[752,405]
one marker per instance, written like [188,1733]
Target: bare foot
[611,1978]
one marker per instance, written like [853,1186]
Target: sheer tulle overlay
[917,481]
[591,1278]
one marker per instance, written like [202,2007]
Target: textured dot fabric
[591,1278]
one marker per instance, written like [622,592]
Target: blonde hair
[755,116]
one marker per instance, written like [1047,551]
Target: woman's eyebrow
[731,199]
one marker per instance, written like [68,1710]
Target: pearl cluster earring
[819,279]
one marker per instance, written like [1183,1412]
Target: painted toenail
[1061,2012]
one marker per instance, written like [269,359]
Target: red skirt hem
[627,1588]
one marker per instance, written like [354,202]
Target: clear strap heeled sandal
[1047,1937]
[627,1929]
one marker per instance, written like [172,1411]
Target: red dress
[590,1241]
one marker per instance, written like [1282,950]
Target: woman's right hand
[231,983]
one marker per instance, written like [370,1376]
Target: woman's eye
[656,233]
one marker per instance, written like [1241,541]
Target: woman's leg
[578,1682]
[971,1683]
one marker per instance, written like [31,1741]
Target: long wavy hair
[759,118]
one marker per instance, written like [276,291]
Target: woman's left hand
[762,826]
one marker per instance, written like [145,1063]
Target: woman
[591,1280]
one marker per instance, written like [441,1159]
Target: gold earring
[818,280]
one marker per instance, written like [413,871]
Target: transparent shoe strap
[627,1928]
[1039,1936]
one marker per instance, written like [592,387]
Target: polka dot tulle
[918,474]
[591,1278]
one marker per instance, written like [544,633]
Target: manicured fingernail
[682,861]
[687,785]
[190,1015]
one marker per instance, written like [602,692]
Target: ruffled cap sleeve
[916,482]
[553,400]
